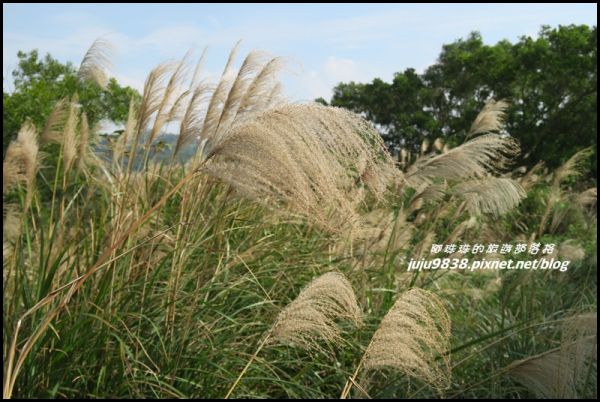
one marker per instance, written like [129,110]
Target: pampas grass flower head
[311,317]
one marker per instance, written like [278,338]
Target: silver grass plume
[377,231]
[413,338]
[438,144]
[530,178]
[251,66]
[171,99]
[573,166]
[199,65]
[21,162]
[218,98]
[264,90]
[311,317]
[154,92]
[429,194]
[569,250]
[478,157]
[424,146]
[53,129]
[212,110]
[588,198]
[491,195]
[489,119]
[561,373]
[192,120]
[96,62]
[12,168]
[85,154]
[274,98]
[11,230]
[316,161]
[70,137]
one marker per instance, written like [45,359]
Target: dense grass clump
[273,263]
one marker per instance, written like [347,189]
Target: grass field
[274,263]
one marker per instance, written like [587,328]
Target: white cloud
[341,69]
[320,82]
[170,41]
[134,80]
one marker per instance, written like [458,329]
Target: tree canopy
[550,82]
[40,82]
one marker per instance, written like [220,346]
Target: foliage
[164,281]
[550,82]
[40,82]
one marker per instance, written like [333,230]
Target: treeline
[40,82]
[550,83]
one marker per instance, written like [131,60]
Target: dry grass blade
[490,153]
[560,373]
[489,119]
[96,62]
[492,195]
[312,316]
[413,338]
[314,160]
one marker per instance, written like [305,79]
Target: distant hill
[163,148]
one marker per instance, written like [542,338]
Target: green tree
[40,82]
[550,82]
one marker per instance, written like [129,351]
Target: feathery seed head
[312,316]
[411,338]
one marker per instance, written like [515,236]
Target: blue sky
[324,44]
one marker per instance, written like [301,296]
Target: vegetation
[40,83]
[550,82]
[273,263]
